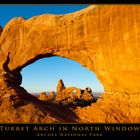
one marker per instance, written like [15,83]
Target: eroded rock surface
[43,96]
[67,96]
[103,38]
[60,86]
[74,96]
[51,96]
[87,95]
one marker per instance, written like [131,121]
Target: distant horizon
[56,92]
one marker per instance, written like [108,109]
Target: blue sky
[43,74]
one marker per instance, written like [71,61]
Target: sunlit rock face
[103,38]
[65,95]
[43,96]
[73,95]
[60,86]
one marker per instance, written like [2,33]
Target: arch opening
[43,75]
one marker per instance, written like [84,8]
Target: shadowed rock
[0,30]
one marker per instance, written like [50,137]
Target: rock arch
[105,39]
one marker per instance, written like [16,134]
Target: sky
[44,74]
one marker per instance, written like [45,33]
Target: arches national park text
[64,130]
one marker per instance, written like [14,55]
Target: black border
[70,2]
[131,131]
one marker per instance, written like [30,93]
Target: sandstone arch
[105,39]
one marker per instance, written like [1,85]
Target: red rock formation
[92,39]
[51,96]
[87,95]
[103,38]
[43,96]
[60,86]
[73,95]
[68,95]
